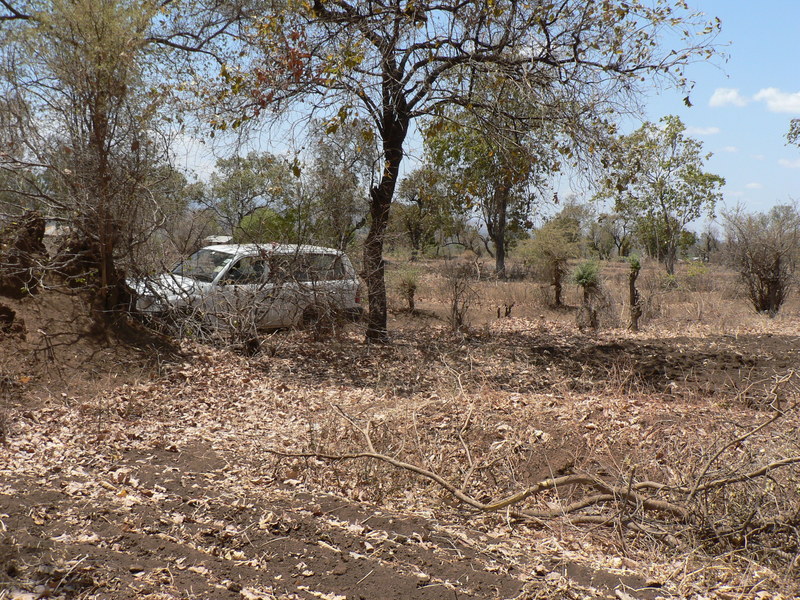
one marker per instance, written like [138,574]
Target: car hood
[168,286]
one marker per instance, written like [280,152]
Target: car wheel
[321,319]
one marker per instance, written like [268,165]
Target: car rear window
[306,267]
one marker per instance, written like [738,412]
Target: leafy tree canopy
[265,225]
[241,184]
[492,169]
[659,180]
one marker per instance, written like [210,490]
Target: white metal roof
[270,248]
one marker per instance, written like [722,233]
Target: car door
[329,282]
[287,298]
[343,278]
[245,296]
[301,286]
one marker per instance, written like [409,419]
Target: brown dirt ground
[129,475]
[524,358]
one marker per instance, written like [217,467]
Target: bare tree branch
[741,438]
[14,13]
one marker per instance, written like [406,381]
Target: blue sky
[742,106]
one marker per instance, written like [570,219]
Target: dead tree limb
[751,432]
[659,510]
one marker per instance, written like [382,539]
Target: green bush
[406,282]
[697,277]
[587,275]
[669,282]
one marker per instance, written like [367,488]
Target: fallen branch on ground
[661,511]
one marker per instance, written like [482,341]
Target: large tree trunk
[496,227]
[380,201]
[110,292]
[670,257]
[670,249]
[500,235]
[557,276]
[500,258]
[634,299]
[393,130]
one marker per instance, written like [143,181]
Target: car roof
[270,248]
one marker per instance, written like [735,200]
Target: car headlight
[147,304]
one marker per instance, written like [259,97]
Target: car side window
[306,268]
[247,271]
[325,267]
[300,267]
[280,268]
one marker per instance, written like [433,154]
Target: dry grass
[708,300]
[491,442]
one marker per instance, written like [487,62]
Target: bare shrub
[459,292]
[541,296]
[22,255]
[656,299]
[180,236]
[733,493]
[509,298]
[516,271]
[324,318]
[764,249]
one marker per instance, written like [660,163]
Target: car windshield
[203,265]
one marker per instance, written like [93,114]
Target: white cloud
[702,130]
[790,164]
[754,186]
[778,101]
[758,157]
[727,97]
[731,149]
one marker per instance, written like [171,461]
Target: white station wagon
[269,285]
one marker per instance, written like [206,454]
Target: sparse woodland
[510,456]
[586,397]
